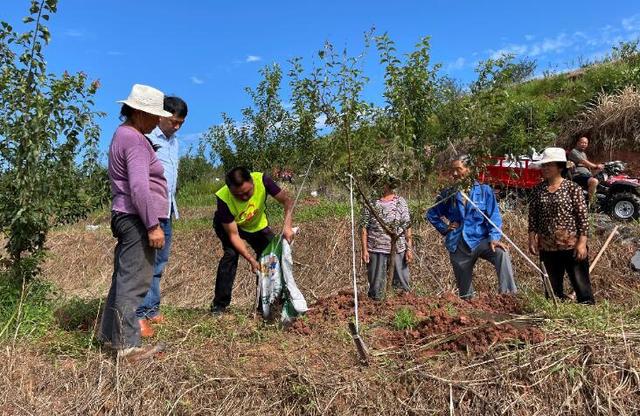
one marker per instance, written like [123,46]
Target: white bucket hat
[146,99]
[552,154]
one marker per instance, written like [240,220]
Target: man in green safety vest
[240,215]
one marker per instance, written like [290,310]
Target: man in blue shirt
[468,235]
[164,141]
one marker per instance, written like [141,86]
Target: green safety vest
[249,215]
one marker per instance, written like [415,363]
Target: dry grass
[611,123]
[588,364]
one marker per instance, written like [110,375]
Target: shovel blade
[361,348]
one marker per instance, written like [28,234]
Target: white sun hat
[552,154]
[146,99]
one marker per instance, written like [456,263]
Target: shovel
[547,284]
[363,354]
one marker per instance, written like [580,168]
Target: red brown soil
[444,323]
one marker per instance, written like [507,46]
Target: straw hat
[552,154]
[146,99]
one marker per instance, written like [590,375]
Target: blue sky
[208,51]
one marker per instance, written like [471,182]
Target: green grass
[602,317]
[193,224]
[307,213]
[198,194]
[35,313]
[405,318]
[26,311]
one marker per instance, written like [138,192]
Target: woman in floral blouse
[558,227]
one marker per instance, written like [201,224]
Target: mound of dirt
[432,323]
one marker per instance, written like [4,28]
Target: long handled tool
[548,289]
[363,354]
[354,326]
[604,247]
[543,272]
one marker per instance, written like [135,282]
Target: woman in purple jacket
[139,193]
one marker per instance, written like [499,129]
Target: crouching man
[468,235]
[240,215]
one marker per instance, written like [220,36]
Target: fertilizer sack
[277,285]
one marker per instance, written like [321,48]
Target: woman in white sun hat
[139,201]
[558,226]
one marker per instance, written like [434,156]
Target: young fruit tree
[362,139]
[48,139]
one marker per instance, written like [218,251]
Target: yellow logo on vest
[248,214]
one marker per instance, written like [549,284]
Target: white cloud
[555,45]
[456,65]
[512,49]
[196,80]
[589,42]
[253,58]
[321,121]
[74,33]
[631,24]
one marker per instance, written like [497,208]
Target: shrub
[405,318]
[195,169]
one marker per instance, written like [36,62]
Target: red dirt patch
[442,323]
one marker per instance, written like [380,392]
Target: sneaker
[136,354]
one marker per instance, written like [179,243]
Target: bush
[195,169]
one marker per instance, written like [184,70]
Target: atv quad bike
[618,194]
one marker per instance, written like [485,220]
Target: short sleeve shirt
[577,156]
[223,213]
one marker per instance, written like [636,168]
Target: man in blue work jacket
[468,235]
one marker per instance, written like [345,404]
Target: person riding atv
[584,169]
[612,191]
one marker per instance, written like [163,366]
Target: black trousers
[228,265]
[559,262]
[132,271]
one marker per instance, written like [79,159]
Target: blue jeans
[150,306]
